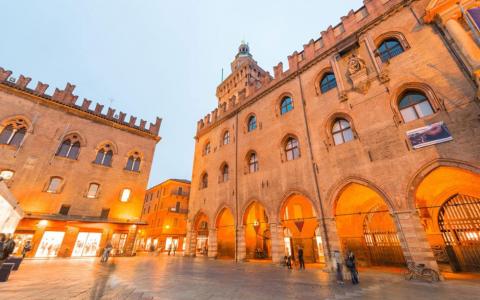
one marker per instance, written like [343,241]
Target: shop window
[291,149]
[125,195]
[13,133]
[64,209]
[342,131]
[93,190]
[286,105]
[328,82]
[50,244]
[414,105]
[390,48]
[54,185]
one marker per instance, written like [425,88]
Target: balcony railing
[182,193]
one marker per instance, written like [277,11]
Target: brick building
[165,212]
[79,173]
[370,142]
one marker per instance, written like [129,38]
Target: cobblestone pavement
[163,277]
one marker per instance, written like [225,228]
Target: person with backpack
[351,265]
[8,247]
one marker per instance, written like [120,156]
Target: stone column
[335,245]
[413,239]
[241,244]
[212,243]
[278,243]
[338,77]
[464,42]
[190,248]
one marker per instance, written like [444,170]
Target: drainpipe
[317,188]
[236,188]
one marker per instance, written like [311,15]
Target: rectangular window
[93,190]
[105,212]
[180,190]
[54,185]
[64,209]
[125,195]
[177,207]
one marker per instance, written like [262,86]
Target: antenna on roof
[222,76]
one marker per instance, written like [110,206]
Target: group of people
[337,260]
[7,245]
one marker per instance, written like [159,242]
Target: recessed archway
[201,233]
[448,202]
[257,232]
[299,219]
[225,234]
[365,226]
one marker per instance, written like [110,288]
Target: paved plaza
[163,277]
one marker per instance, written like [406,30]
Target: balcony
[181,194]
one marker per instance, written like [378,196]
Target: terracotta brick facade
[378,155]
[94,193]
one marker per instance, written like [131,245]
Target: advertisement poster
[429,135]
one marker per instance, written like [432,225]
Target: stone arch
[220,210]
[278,102]
[397,35]
[436,103]
[107,142]
[291,192]
[81,138]
[319,78]
[256,242]
[283,143]
[252,201]
[336,190]
[225,224]
[11,118]
[428,168]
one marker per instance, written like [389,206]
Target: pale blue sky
[155,57]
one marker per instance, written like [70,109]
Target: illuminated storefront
[87,244]
[50,244]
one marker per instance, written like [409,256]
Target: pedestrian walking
[2,245]
[106,252]
[8,247]
[301,261]
[169,249]
[288,262]
[174,249]
[27,248]
[352,266]
[337,262]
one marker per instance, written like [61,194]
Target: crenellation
[309,50]
[86,104]
[155,128]
[132,121]
[98,108]
[4,74]
[143,124]
[349,21]
[41,88]
[121,117]
[23,81]
[110,113]
[214,115]
[278,70]
[293,61]
[65,96]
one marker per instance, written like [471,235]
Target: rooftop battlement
[66,97]
[330,39]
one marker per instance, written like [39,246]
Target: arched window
[204,182]
[291,149]
[252,163]
[6,174]
[54,185]
[13,133]
[389,48]
[104,156]
[225,172]
[226,138]
[286,105]
[133,162]
[69,148]
[252,123]
[93,190]
[206,150]
[342,131]
[414,105]
[328,82]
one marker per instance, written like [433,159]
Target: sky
[153,58]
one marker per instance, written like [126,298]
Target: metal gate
[381,240]
[459,222]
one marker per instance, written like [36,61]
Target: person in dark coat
[8,247]
[2,245]
[352,266]
[300,258]
[27,248]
